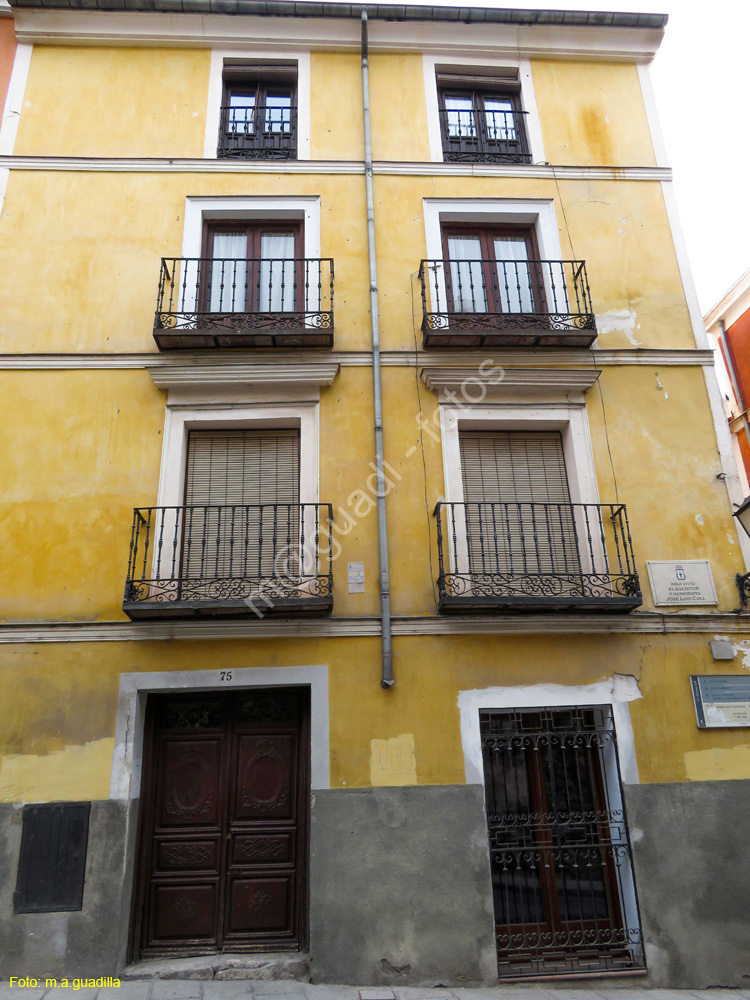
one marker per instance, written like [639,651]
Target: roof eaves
[378,12]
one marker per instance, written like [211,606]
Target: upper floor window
[493,269]
[259,112]
[481,119]
[254,268]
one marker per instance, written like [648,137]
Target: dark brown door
[223,839]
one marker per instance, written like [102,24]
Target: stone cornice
[647,622]
[406,168]
[542,357]
[498,380]
[206,374]
[493,32]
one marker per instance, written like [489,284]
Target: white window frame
[538,213]
[568,417]
[198,211]
[617,691]
[216,88]
[430,62]
[181,418]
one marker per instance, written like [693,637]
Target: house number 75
[225,675]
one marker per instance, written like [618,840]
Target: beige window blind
[242,515]
[518,515]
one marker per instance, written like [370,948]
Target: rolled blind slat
[234,469]
[517,472]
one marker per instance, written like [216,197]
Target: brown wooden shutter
[519,518]
[243,467]
[52,860]
[242,514]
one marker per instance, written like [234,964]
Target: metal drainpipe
[386,680]
[733,378]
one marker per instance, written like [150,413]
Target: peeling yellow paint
[76,773]
[394,761]
[717,764]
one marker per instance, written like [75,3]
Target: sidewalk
[165,989]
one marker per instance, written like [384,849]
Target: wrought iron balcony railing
[483,136]
[535,557]
[506,303]
[243,302]
[258,132]
[253,559]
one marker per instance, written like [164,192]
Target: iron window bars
[535,557]
[483,128]
[258,132]
[244,302]
[506,303]
[562,869]
[259,112]
[228,559]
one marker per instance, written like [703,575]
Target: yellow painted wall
[103,296]
[114,102]
[592,113]
[65,701]
[82,448]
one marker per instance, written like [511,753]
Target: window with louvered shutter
[519,518]
[242,516]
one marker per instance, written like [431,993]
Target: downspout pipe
[386,679]
[733,378]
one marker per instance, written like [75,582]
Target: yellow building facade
[251,756]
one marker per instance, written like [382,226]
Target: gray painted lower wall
[400,886]
[691,847]
[87,943]
[400,889]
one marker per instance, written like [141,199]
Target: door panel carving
[223,840]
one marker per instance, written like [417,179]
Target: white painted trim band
[172,376]
[499,380]
[382,167]
[358,359]
[275,628]
[483,40]
[617,692]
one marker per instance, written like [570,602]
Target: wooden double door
[224,822]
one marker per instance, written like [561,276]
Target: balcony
[239,559]
[484,136]
[539,557]
[262,132]
[209,302]
[506,303]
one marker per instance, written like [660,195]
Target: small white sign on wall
[356,578]
[686,581]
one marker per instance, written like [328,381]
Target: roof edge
[377,12]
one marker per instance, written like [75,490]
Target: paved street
[166,989]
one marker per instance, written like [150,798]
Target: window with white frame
[258,105]
[237,515]
[480,111]
[521,524]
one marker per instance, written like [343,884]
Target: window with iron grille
[481,119]
[259,112]
[562,873]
